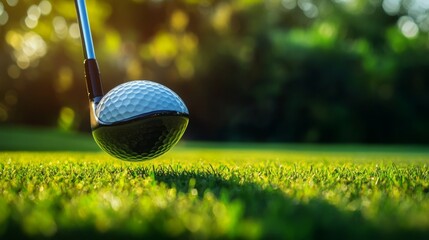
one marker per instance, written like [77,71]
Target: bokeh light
[74,31]
[60,27]
[66,118]
[4,16]
[45,7]
[289,4]
[10,97]
[28,47]
[179,20]
[13,71]
[408,27]
[298,63]
[221,17]
[391,7]
[415,15]
[12,3]
[3,113]
[64,81]
[309,8]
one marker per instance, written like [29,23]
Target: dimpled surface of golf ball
[139,120]
[136,98]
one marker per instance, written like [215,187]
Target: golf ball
[137,98]
[139,120]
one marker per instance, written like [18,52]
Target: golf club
[136,120]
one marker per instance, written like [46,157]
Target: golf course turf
[218,191]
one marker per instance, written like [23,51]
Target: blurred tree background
[249,70]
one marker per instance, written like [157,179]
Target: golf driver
[135,121]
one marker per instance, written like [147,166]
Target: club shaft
[85,30]
[92,73]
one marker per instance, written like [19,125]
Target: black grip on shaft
[92,77]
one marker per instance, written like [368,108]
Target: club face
[142,138]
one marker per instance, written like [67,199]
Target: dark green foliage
[253,70]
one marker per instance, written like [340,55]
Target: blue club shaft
[92,73]
[85,30]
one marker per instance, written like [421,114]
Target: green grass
[18,138]
[206,190]
[218,191]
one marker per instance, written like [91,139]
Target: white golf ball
[136,98]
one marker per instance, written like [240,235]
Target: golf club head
[139,120]
[135,121]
